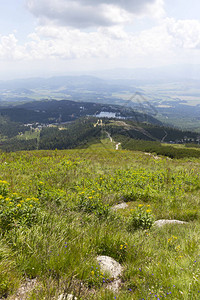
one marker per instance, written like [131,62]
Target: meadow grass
[56,218]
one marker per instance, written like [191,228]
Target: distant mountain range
[91,83]
[115,77]
[53,111]
[173,92]
[154,75]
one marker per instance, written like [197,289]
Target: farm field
[56,217]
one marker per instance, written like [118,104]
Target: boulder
[108,264]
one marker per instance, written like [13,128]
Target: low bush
[141,218]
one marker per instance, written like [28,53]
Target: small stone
[67,297]
[119,206]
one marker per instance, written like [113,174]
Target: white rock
[108,264]
[119,206]
[67,297]
[163,222]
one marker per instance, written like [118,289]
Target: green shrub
[90,204]
[141,218]
[3,188]
[14,211]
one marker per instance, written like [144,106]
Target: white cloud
[169,41]
[9,48]
[112,42]
[91,13]
[185,33]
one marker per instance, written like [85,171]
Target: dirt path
[112,141]
[117,146]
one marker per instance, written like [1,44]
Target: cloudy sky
[56,37]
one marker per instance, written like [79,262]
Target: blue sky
[57,37]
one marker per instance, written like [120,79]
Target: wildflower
[148,210]
[3,181]
[92,273]
[19,205]
[31,205]
[35,199]
[140,205]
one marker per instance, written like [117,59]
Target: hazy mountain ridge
[171,93]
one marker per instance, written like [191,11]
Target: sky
[60,37]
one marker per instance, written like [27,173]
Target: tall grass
[74,190]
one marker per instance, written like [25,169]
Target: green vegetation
[141,218]
[89,130]
[157,148]
[10,129]
[56,217]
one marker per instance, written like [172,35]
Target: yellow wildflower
[19,205]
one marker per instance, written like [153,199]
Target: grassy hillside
[56,217]
[132,135]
